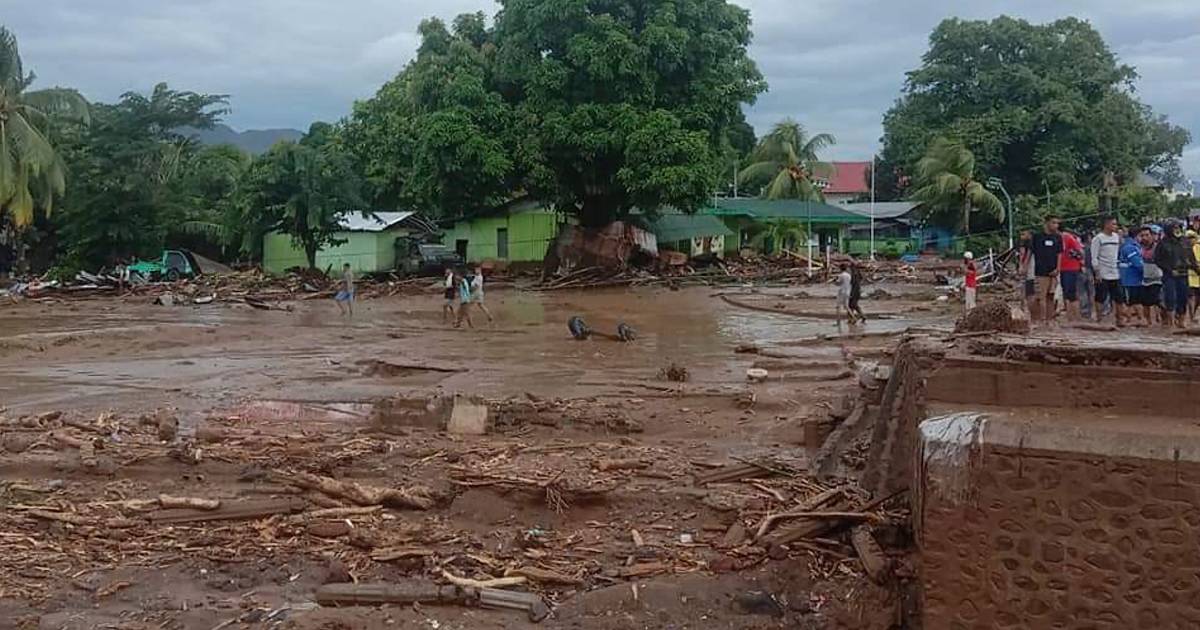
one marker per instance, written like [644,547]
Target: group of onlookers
[1138,275]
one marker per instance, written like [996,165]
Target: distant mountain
[254,141]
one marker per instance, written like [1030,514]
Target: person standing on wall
[1070,265]
[970,282]
[1106,249]
[1047,248]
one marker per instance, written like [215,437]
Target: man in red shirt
[970,282]
[1070,265]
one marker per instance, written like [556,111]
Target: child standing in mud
[345,296]
[464,301]
[450,294]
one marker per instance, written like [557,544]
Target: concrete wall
[1025,525]
[530,234]
[365,251]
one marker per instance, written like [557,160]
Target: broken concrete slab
[468,416]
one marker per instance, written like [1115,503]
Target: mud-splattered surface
[258,393]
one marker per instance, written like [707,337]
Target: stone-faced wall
[1045,525]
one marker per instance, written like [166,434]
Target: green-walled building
[370,243]
[518,232]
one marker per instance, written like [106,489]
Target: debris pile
[994,317]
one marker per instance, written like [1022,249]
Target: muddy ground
[88,387]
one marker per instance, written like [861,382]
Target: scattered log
[544,576]
[410,593]
[492,583]
[328,529]
[733,473]
[71,519]
[620,464]
[643,569]
[874,562]
[229,511]
[340,512]
[66,439]
[194,503]
[401,553]
[415,497]
[812,503]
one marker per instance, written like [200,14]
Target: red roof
[849,178]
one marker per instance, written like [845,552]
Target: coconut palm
[31,173]
[946,181]
[786,158]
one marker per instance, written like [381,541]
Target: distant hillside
[253,141]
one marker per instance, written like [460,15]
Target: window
[502,243]
[176,261]
[460,248]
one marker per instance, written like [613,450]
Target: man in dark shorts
[1047,248]
[1132,270]
[1070,266]
[1106,249]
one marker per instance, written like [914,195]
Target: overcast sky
[835,65]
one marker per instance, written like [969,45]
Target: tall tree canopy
[133,175]
[32,173]
[597,106]
[299,189]
[1040,106]
[786,165]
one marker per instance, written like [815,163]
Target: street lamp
[996,184]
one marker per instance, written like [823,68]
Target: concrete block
[468,416]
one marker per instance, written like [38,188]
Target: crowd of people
[1138,275]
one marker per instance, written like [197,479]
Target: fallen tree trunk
[194,503]
[229,511]
[414,497]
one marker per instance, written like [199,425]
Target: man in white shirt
[1106,250]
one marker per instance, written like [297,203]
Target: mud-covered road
[265,394]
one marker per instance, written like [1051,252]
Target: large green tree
[130,173]
[1040,106]
[300,189]
[597,106]
[786,163]
[624,103]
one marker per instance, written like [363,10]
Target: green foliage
[32,173]
[785,163]
[134,177]
[596,106]
[298,189]
[947,185]
[1038,105]
[772,236]
[1136,204]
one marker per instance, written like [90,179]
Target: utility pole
[995,183]
[873,158]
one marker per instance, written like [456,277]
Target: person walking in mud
[477,293]
[464,301]
[450,295]
[856,278]
[345,294]
[844,284]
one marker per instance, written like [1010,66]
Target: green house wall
[367,252]
[530,234]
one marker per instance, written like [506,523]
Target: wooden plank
[231,511]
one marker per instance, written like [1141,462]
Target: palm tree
[779,234]
[946,181]
[787,159]
[31,173]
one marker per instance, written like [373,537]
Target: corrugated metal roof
[677,227]
[786,209]
[372,222]
[883,209]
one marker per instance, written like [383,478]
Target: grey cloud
[835,65]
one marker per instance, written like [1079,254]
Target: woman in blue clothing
[464,300]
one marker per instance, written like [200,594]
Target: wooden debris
[194,503]
[328,529]
[340,512]
[416,497]
[637,538]
[874,562]
[401,553]
[544,576]
[411,593]
[735,473]
[73,519]
[230,511]
[812,503]
[643,569]
[605,465]
[492,583]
